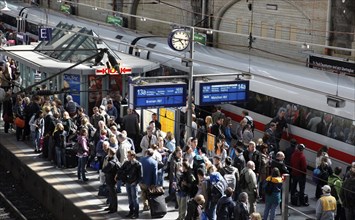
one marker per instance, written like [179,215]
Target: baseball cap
[326,189]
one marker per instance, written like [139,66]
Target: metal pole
[285,193]
[191,78]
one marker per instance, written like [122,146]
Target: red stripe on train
[348,158]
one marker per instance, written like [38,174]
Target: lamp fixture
[5,8]
[143,19]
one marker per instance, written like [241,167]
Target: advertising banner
[72,81]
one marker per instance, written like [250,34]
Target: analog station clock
[179,39]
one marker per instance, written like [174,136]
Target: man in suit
[131,126]
[150,173]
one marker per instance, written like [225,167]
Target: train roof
[208,60]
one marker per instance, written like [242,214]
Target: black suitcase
[71,159]
[103,191]
[157,205]
[304,201]
[295,199]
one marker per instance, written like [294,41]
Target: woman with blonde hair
[209,123]
[59,139]
[255,216]
[170,141]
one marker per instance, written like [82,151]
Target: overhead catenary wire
[253,48]
[217,31]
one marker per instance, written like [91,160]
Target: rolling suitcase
[295,199]
[71,160]
[304,200]
[158,208]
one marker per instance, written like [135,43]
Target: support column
[285,193]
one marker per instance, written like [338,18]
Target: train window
[31,28]
[9,20]
[151,45]
[313,120]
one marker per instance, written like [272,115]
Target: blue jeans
[82,161]
[270,208]
[160,177]
[119,184]
[211,212]
[132,191]
[60,155]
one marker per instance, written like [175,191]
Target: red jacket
[298,163]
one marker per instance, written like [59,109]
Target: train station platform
[61,192]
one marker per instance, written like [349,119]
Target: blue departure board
[158,95]
[221,92]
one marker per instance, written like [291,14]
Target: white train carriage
[304,92]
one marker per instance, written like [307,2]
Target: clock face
[179,40]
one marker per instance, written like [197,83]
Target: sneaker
[85,180]
[134,216]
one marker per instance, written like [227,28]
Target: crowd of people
[222,181]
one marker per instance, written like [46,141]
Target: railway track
[8,210]
[16,203]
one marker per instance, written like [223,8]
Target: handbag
[41,143]
[160,165]
[19,122]
[95,165]
[103,191]
[155,190]
[7,118]
[102,177]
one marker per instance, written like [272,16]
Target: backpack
[242,181]
[268,187]
[216,188]
[231,180]
[198,163]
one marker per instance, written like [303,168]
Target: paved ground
[68,177]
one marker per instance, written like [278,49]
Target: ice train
[310,96]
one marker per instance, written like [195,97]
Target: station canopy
[70,44]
